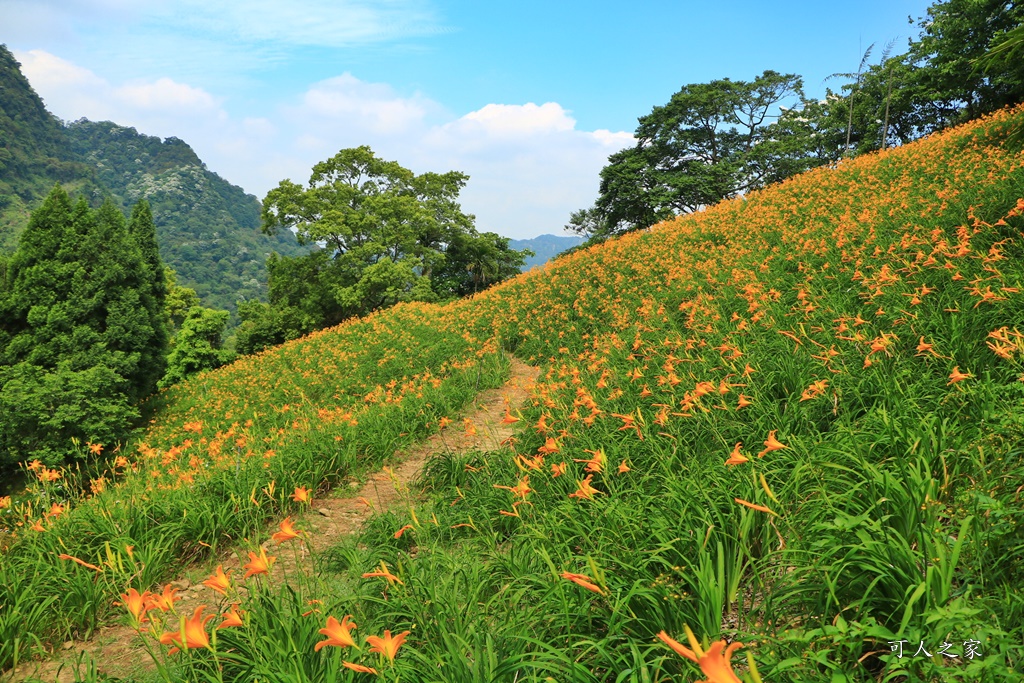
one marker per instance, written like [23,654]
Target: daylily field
[777,440]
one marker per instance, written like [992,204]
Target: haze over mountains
[545,247]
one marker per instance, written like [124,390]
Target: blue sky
[528,98]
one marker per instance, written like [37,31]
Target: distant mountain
[207,228]
[546,247]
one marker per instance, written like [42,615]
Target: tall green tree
[709,142]
[386,235]
[198,345]
[153,293]
[77,337]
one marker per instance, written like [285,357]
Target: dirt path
[117,650]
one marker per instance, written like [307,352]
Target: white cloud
[371,106]
[517,119]
[529,165]
[164,94]
[72,92]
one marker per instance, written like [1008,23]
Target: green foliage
[711,141]
[153,293]
[388,236]
[198,345]
[207,229]
[953,36]
[180,300]
[79,346]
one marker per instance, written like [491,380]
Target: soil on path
[117,651]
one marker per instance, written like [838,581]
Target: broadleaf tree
[711,141]
[386,235]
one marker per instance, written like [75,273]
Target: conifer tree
[153,293]
[80,347]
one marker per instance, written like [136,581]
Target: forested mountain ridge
[208,229]
[33,153]
[545,247]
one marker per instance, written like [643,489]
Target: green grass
[893,511]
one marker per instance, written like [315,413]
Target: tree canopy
[709,142]
[385,235]
[716,140]
[81,328]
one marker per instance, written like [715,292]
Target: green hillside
[790,423]
[33,153]
[208,230]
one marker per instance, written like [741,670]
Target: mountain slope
[791,421]
[33,153]
[545,248]
[207,229]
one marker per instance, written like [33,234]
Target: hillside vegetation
[792,420]
[208,229]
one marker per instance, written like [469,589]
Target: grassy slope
[894,511]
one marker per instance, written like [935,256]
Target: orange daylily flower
[444,422]
[338,635]
[558,469]
[384,573]
[398,534]
[623,467]
[258,564]
[922,347]
[585,489]
[301,494]
[219,581]
[714,663]
[522,489]
[736,458]
[550,446]
[232,617]
[816,389]
[509,418]
[194,630]
[771,444]
[752,506]
[63,556]
[164,601]
[96,448]
[287,532]
[387,645]
[743,402]
[596,463]
[584,581]
[957,376]
[136,604]
[359,667]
